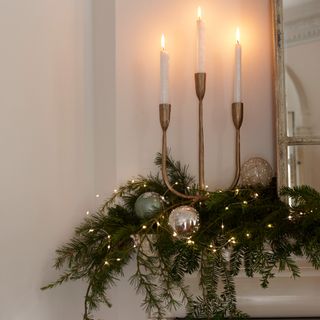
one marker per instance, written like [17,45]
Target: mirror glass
[300,159]
[301,28]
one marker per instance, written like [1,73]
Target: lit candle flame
[199,13]
[163,42]
[238,35]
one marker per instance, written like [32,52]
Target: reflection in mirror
[300,159]
[301,26]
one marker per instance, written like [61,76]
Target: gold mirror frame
[282,139]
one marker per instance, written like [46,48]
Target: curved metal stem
[200,84]
[238,161]
[201,148]
[164,171]
[237,117]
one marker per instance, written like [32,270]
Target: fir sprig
[247,229]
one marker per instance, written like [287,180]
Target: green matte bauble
[147,205]
[184,221]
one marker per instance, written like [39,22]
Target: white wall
[46,142]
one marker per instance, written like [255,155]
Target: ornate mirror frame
[283,141]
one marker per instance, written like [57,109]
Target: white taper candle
[200,42]
[237,75]
[164,72]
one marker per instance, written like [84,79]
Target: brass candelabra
[237,116]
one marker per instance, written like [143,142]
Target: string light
[118,259]
[245,202]
[232,240]
[176,183]
[188,188]
[144,227]
[269,225]
[132,181]
[174,234]
[190,242]
[290,217]
[207,187]
[88,212]
[222,226]
[248,235]
[256,195]
[106,263]
[236,191]
[109,236]
[91,230]
[158,224]
[97,195]
[145,185]
[109,246]
[226,208]
[211,246]
[115,190]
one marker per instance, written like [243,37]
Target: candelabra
[237,116]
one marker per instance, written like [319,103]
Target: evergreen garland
[248,228]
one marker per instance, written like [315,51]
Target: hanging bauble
[148,204]
[184,221]
[256,171]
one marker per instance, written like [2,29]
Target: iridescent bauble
[184,221]
[148,204]
[256,171]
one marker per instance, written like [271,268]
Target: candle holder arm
[237,117]
[165,110]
